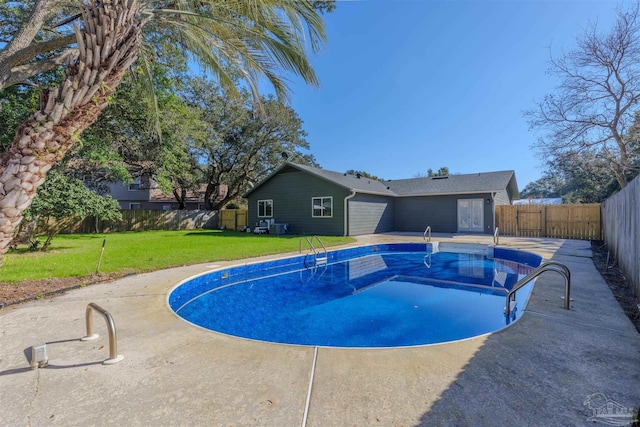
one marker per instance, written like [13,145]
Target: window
[134,206]
[265,208]
[322,207]
[135,185]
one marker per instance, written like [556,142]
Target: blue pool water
[377,296]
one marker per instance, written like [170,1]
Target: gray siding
[370,214]
[121,192]
[502,198]
[439,212]
[291,192]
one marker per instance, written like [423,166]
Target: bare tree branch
[595,102]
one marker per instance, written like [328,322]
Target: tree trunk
[108,44]
[210,194]
[181,198]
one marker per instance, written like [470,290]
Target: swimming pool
[389,295]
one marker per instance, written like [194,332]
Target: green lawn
[77,254]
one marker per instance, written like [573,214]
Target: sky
[412,85]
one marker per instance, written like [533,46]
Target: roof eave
[450,193]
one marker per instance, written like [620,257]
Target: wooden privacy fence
[142,219]
[558,221]
[234,219]
[621,222]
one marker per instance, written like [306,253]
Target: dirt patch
[618,283]
[28,290]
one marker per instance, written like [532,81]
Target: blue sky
[412,85]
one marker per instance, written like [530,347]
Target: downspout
[346,212]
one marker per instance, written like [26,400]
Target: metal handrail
[114,357]
[496,236]
[545,266]
[313,248]
[321,244]
[424,235]
[309,243]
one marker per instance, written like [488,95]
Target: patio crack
[33,399]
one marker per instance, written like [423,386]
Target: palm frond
[261,38]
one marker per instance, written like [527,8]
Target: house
[317,201]
[543,201]
[144,193]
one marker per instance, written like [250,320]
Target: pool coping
[550,367]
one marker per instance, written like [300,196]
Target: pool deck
[552,367]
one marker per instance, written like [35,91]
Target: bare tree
[595,102]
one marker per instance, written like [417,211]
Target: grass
[76,255]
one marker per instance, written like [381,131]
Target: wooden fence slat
[233,219]
[142,219]
[621,223]
[556,221]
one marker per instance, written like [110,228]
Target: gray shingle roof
[453,184]
[361,185]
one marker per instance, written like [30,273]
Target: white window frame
[132,206]
[136,184]
[267,202]
[322,200]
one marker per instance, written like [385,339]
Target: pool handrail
[114,357]
[427,231]
[496,236]
[313,248]
[544,267]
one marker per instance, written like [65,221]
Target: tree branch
[21,57]
[23,72]
[28,30]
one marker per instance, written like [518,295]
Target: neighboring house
[143,193]
[543,201]
[318,201]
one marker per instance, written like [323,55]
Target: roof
[486,182]
[544,201]
[350,182]
[157,195]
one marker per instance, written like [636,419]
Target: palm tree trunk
[108,44]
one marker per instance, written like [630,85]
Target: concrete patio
[552,367]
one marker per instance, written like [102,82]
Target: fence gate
[233,219]
[558,221]
[530,221]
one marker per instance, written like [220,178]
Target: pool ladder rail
[542,268]
[427,233]
[319,259]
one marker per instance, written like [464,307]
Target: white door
[470,215]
